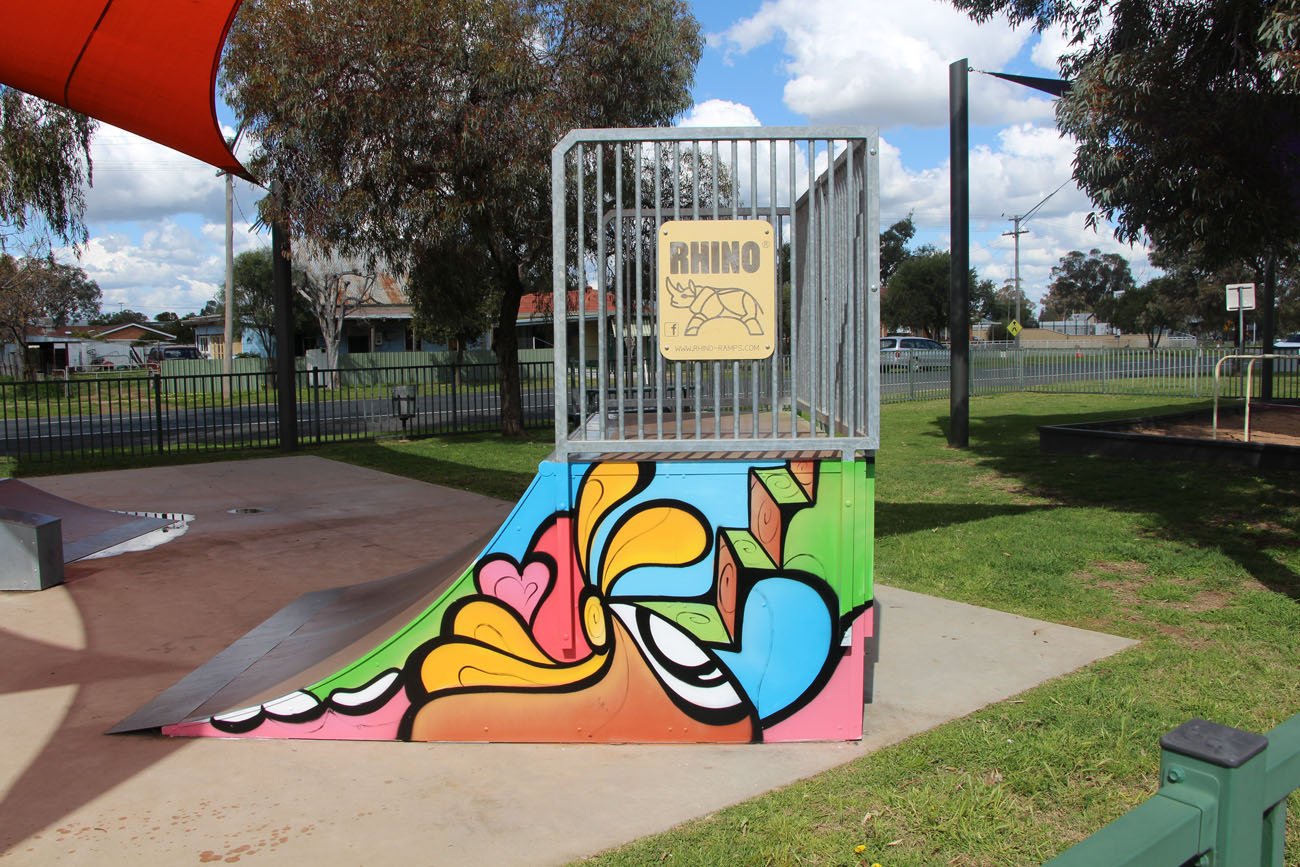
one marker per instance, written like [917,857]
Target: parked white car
[1289,345]
[903,351]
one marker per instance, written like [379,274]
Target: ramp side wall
[638,601]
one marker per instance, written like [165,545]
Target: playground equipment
[693,562]
[1250,376]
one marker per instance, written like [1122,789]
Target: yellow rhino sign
[717,290]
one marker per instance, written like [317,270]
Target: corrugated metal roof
[540,305]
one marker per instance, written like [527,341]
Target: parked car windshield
[159,353]
[921,343]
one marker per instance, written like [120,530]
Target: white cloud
[1046,240]
[1051,45]
[170,267]
[157,224]
[885,63]
[720,112]
[136,179]
[1025,166]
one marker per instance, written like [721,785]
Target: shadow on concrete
[106,675]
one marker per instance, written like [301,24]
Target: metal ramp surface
[86,530]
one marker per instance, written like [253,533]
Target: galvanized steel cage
[615,392]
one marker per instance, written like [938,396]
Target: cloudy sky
[156,217]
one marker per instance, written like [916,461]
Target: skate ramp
[709,601]
[308,639]
[86,529]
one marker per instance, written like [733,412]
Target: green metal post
[1221,803]
[1220,770]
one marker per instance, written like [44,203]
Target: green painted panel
[749,552]
[782,486]
[698,618]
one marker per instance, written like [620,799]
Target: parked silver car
[898,351]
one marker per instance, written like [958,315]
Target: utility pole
[228,354]
[1016,232]
[228,333]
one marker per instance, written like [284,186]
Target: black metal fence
[88,416]
[85,416]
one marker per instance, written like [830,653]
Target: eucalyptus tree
[1086,283]
[44,167]
[396,128]
[916,295]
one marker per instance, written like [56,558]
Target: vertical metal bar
[602,346]
[813,328]
[871,283]
[315,396]
[158,412]
[834,302]
[642,387]
[719,378]
[559,294]
[796,288]
[853,270]
[677,215]
[661,386]
[773,360]
[859,218]
[697,370]
[755,391]
[83,407]
[620,369]
[734,196]
[959,292]
[581,304]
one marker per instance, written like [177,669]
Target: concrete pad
[80,657]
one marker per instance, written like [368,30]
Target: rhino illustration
[709,303]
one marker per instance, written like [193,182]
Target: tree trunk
[507,350]
[332,340]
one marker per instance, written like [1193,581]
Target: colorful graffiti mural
[702,601]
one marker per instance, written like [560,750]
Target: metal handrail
[1250,373]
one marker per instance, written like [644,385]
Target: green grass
[1201,564]
[484,463]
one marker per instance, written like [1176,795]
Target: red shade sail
[148,66]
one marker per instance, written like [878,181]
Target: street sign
[1014,328]
[1241,296]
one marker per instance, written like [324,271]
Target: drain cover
[246,510]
